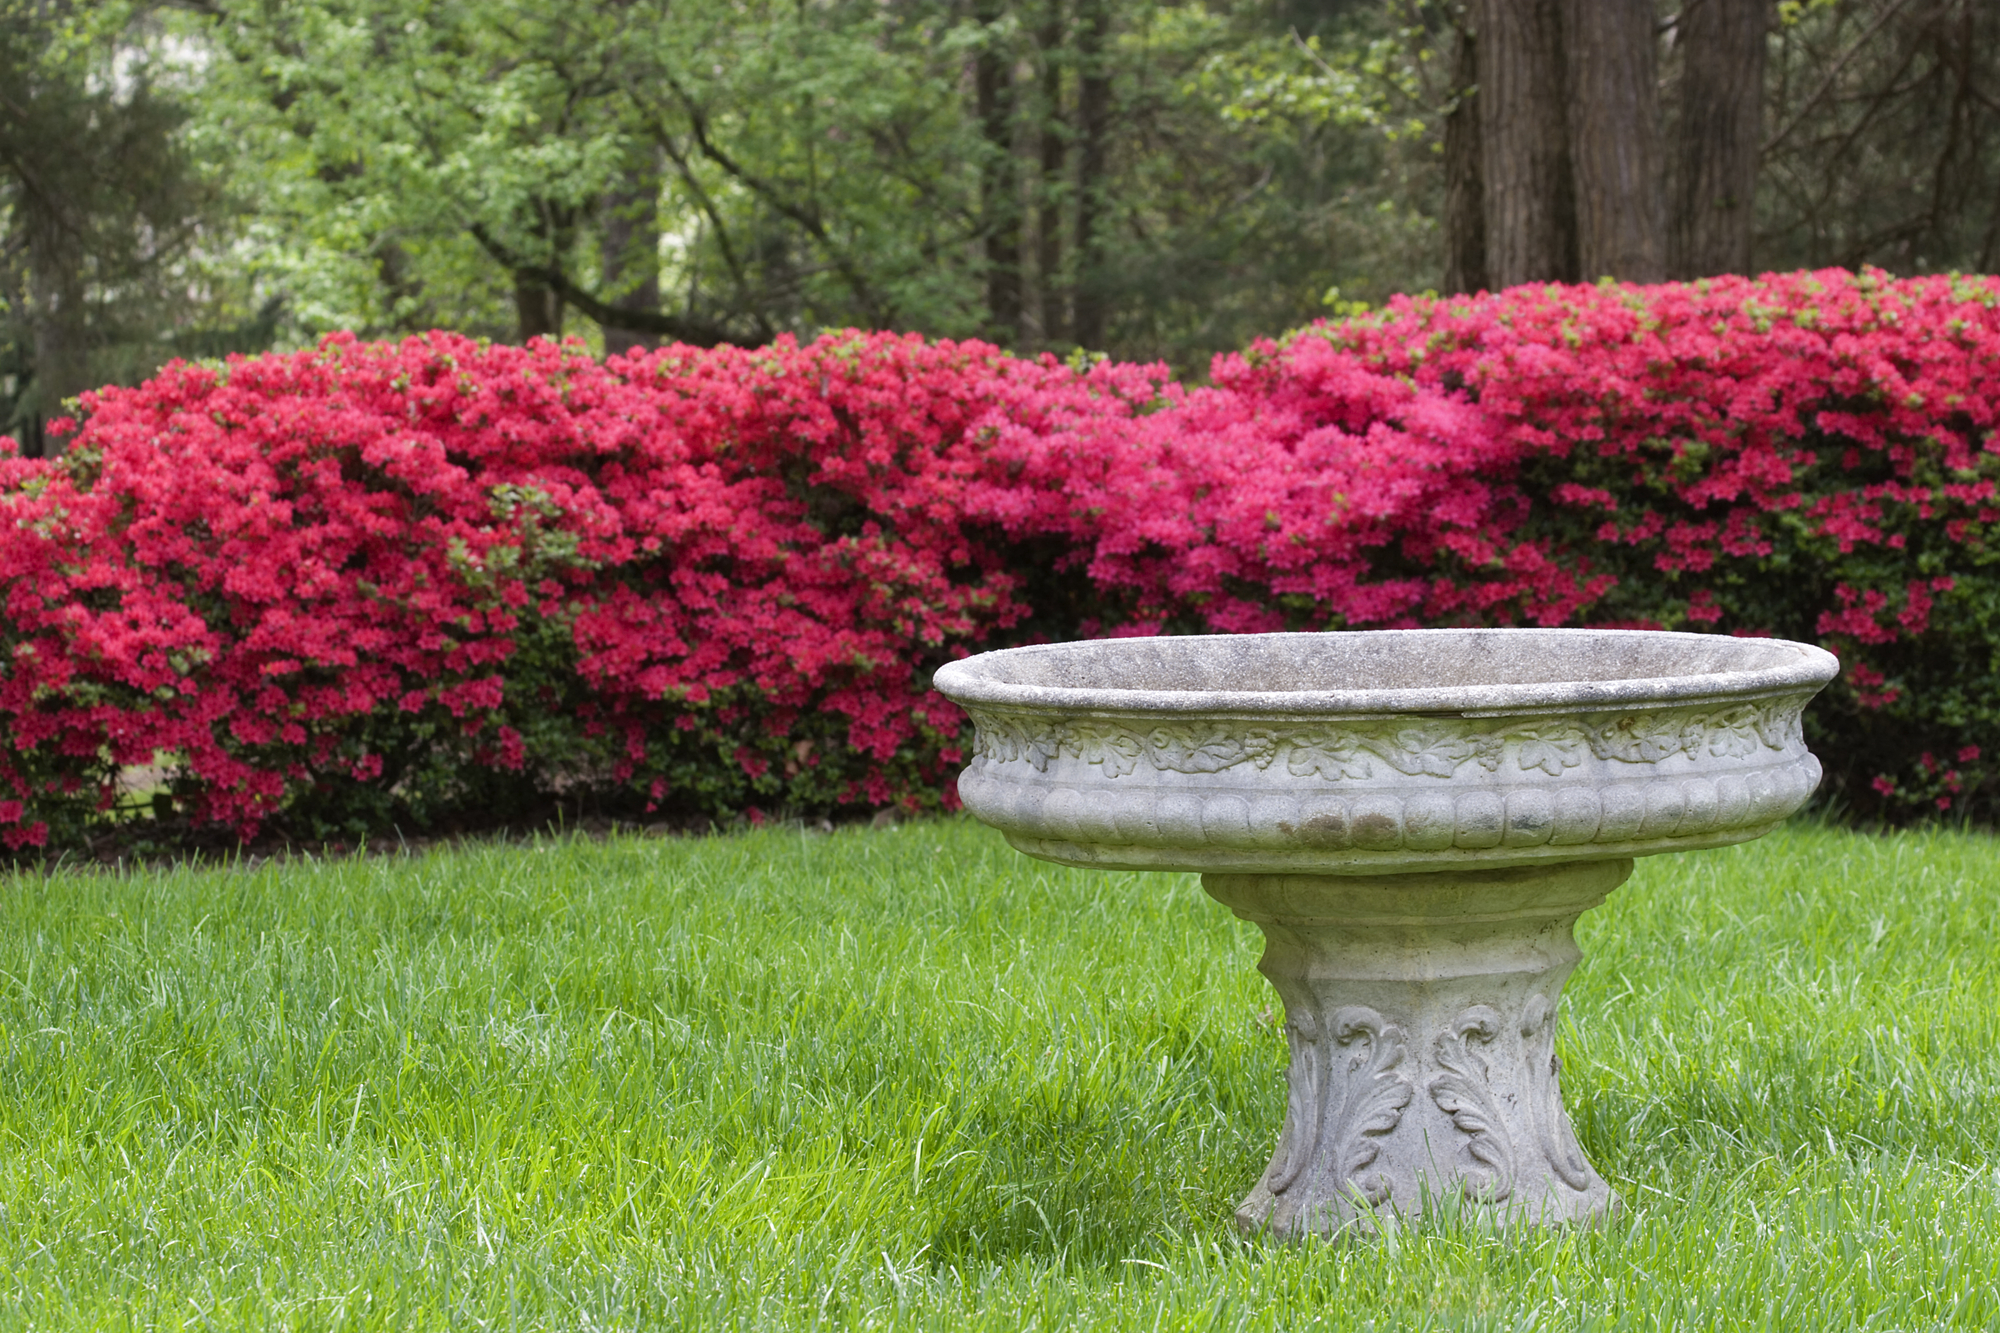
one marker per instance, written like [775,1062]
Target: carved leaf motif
[1551,749]
[1463,1092]
[1432,749]
[1328,754]
[1040,744]
[1305,1082]
[1117,751]
[1641,738]
[1552,1127]
[1437,751]
[1187,750]
[1004,738]
[1734,733]
[1346,1092]
[1777,723]
[1376,1094]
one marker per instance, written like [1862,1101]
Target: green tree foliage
[1148,179]
[105,208]
[1882,136]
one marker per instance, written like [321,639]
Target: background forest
[1152,180]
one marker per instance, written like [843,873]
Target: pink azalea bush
[365,582]
[1811,455]
[374,585]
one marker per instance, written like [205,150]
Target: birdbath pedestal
[1415,819]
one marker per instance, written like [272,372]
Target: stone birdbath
[1415,819]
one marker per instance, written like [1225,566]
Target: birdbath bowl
[1415,819]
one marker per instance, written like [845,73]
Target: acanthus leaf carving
[1306,1084]
[1347,1091]
[1551,1122]
[1463,1092]
[1377,1094]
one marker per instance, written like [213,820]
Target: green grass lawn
[909,1078]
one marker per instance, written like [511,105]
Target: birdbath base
[1421,1013]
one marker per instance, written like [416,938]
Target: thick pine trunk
[1093,132]
[1000,176]
[1527,188]
[1715,169]
[1464,203]
[1613,120]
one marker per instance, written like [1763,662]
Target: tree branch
[806,219]
[681,328]
[1832,77]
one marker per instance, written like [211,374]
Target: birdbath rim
[1613,670]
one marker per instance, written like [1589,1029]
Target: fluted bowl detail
[1391,750]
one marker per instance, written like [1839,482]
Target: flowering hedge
[367,585]
[1811,455]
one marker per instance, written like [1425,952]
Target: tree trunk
[1000,177]
[1050,323]
[1715,168]
[1093,115]
[1613,116]
[402,289]
[58,318]
[1464,205]
[538,310]
[1528,192]
[632,252]
[538,302]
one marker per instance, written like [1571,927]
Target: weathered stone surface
[1384,751]
[1415,818]
[1421,1014]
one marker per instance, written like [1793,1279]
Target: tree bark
[1049,314]
[1529,197]
[1613,117]
[1093,131]
[1464,202]
[538,309]
[685,328]
[1000,177]
[58,318]
[1715,156]
[538,302]
[632,252]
